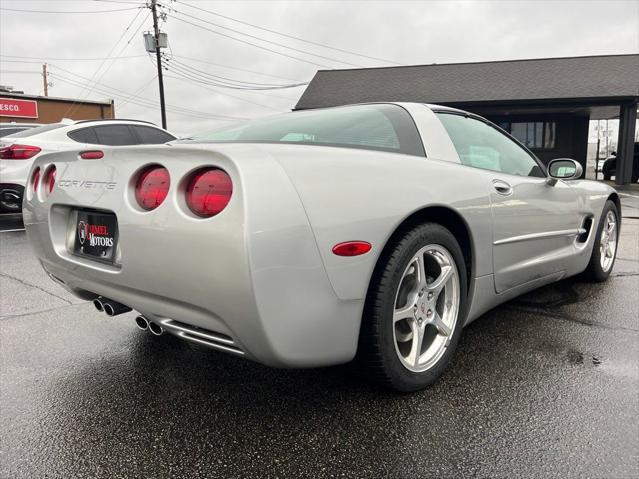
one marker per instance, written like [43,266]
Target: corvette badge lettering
[106,185]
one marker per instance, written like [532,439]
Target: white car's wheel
[604,251]
[415,308]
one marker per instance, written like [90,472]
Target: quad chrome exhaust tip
[97,302]
[155,328]
[142,323]
[110,307]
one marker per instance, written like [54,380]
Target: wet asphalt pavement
[544,386]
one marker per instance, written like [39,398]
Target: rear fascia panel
[253,272]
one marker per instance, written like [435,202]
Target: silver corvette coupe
[313,237]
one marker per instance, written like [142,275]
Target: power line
[108,90]
[46,59]
[19,71]
[112,62]
[184,79]
[227,82]
[39,60]
[71,108]
[230,67]
[252,44]
[219,77]
[266,41]
[193,114]
[116,1]
[184,75]
[224,93]
[287,35]
[137,92]
[67,12]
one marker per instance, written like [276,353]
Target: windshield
[36,131]
[383,127]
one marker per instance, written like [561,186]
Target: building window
[536,135]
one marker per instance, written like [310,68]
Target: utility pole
[158,56]
[45,79]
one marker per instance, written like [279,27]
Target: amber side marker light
[351,248]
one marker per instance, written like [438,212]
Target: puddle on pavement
[577,357]
[552,296]
[628,369]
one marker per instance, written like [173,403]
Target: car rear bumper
[251,278]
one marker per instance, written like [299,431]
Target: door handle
[502,188]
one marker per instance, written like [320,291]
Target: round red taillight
[35,179]
[49,180]
[152,187]
[208,192]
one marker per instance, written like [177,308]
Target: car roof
[431,106]
[115,120]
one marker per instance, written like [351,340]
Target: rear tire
[415,309]
[604,250]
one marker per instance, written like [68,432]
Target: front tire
[604,250]
[415,309]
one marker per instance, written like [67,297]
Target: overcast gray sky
[414,32]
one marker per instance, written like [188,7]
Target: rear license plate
[96,235]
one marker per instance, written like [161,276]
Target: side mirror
[563,169]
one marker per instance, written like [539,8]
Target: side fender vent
[584,231]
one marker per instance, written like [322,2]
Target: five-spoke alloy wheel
[415,307]
[608,241]
[426,308]
[604,249]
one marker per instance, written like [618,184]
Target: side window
[115,135]
[152,136]
[84,135]
[481,146]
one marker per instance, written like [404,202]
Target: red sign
[18,108]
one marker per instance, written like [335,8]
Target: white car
[19,150]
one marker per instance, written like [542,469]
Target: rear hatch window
[384,127]
[35,131]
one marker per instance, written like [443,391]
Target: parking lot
[546,385]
